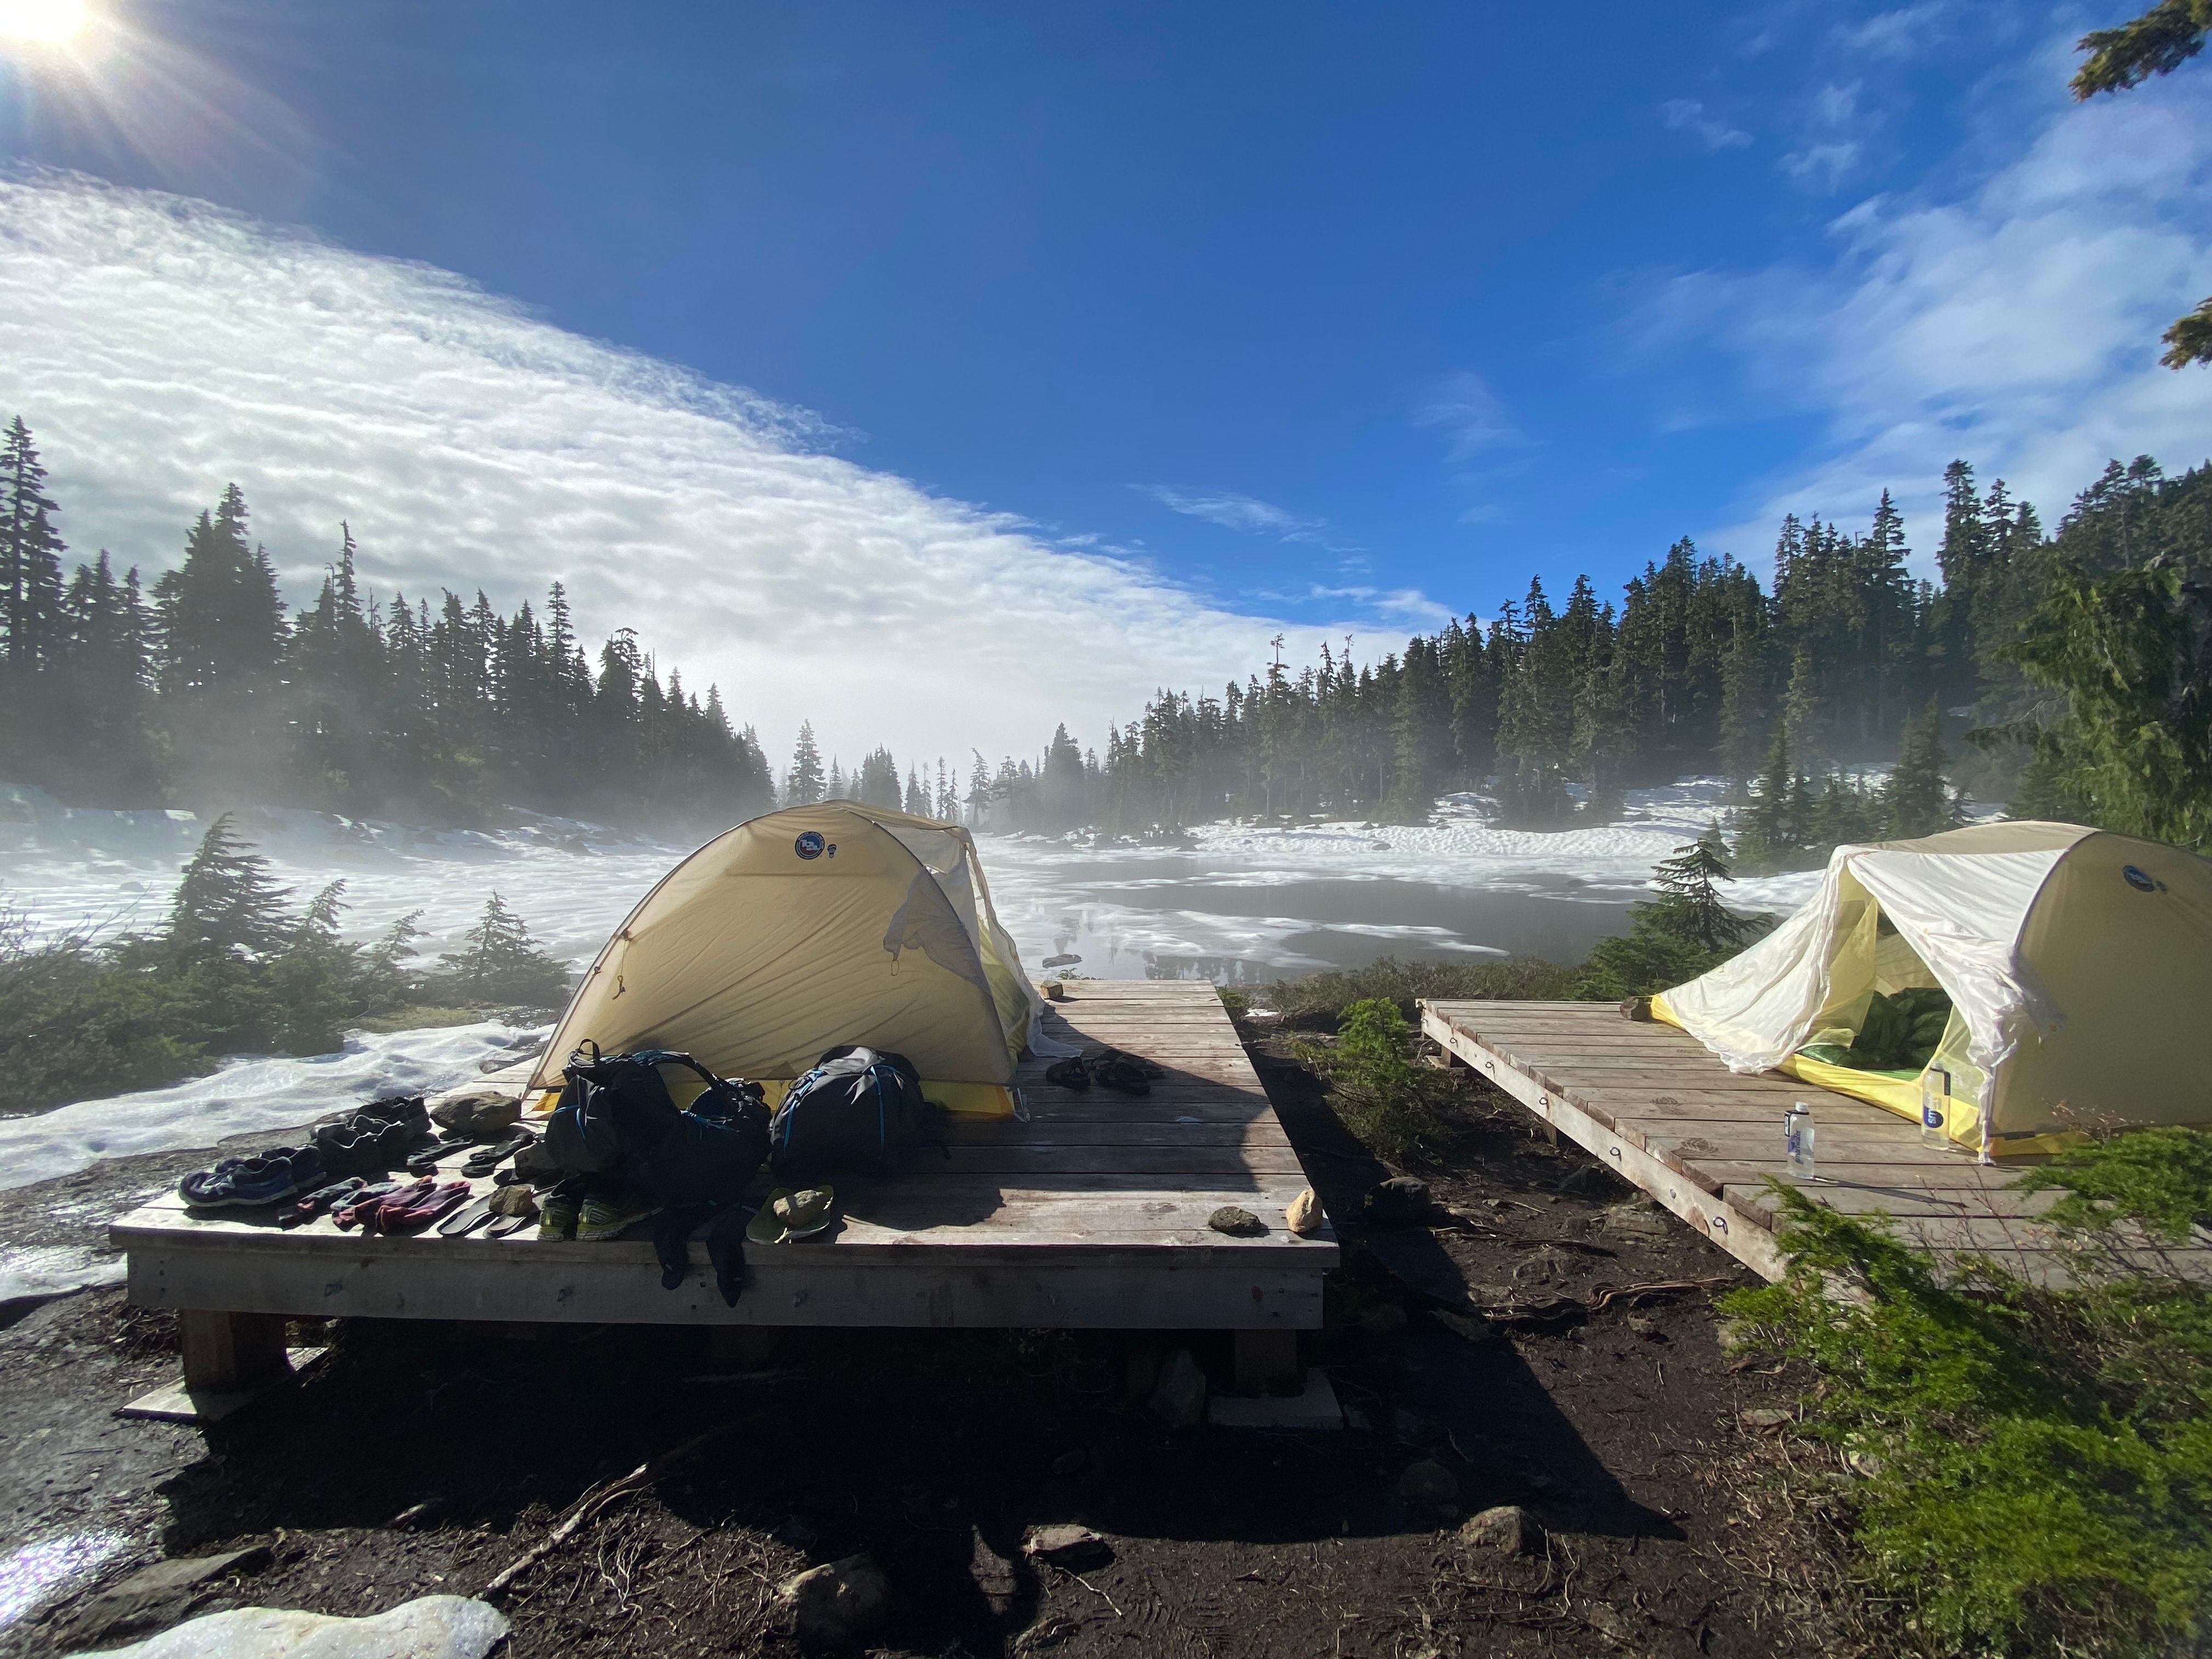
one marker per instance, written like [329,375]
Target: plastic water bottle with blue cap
[1797,1140]
[1934,1106]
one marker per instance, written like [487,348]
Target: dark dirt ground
[419,1459]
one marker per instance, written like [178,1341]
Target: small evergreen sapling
[502,963]
[1690,903]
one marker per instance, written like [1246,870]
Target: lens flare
[41,22]
[45,22]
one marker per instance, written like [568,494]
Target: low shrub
[236,971]
[1386,1097]
[1318,1002]
[2036,1461]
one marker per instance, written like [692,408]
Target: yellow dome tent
[2078,963]
[803,929]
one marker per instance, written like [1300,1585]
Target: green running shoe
[558,1215]
[604,1217]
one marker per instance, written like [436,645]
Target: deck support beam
[1266,1361]
[231,1353]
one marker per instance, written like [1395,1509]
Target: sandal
[1073,1073]
[1120,1074]
[482,1162]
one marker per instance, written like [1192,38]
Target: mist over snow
[160,347]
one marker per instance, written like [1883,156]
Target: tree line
[2065,671]
[201,688]
[2070,672]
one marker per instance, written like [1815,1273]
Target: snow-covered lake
[1242,903]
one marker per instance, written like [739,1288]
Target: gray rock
[1608,1622]
[839,1605]
[1427,1485]
[1640,1221]
[1178,1398]
[1236,1221]
[994,1576]
[1507,1528]
[1644,1326]
[1067,1545]
[158,1595]
[429,1627]
[1765,1416]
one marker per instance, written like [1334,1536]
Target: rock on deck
[1650,1101]
[1093,1213]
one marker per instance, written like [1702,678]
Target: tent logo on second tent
[810,844]
[2142,882]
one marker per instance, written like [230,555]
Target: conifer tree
[1690,899]
[228,903]
[31,621]
[803,785]
[1917,801]
[500,962]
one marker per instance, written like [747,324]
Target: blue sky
[1339,317]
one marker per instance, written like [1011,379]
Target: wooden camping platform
[1092,1213]
[1651,1101]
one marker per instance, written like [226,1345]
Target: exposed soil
[418,1458]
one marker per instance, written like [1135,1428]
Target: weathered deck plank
[1092,1212]
[1704,1141]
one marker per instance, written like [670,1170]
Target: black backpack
[615,1117]
[857,1109]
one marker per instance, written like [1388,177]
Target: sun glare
[45,22]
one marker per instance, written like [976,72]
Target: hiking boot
[349,1150]
[1121,1075]
[604,1217]
[280,1173]
[1072,1073]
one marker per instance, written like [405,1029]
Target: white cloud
[1234,511]
[1834,105]
[1474,418]
[1899,33]
[159,347]
[1688,115]
[1820,167]
[2014,325]
[1408,605]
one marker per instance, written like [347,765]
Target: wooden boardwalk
[1703,1141]
[1092,1213]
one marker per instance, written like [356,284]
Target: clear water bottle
[1797,1140]
[1934,1106]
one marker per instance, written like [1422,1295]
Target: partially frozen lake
[1242,903]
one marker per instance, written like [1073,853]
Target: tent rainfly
[2078,965]
[803,929]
